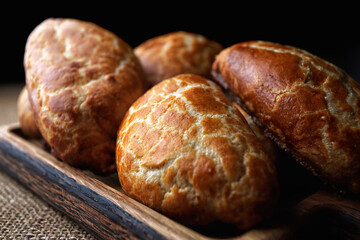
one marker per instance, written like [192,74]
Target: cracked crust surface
[81,80]
[175,53]
[185,150]
[310,106]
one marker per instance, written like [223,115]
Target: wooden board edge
[67,189]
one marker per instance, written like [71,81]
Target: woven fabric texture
[25,216]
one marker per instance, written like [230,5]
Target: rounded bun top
[175,53]
[81,80]
[310,106]
[184,149]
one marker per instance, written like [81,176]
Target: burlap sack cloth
[23,215]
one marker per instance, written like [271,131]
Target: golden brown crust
[172,158]
[310,106]
[174,53]
[81,80]
[26,115]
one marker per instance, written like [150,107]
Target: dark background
[329,32]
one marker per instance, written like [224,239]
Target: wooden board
[306,209]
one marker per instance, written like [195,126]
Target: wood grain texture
[72,192]
[100,206]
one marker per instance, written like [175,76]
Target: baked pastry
[174,53]
[185,150]
[309,106]
[26,116]
[81,81]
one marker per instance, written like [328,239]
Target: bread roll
[174,53]
[309,106]
[186,151]
[26,116]
[81,80]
